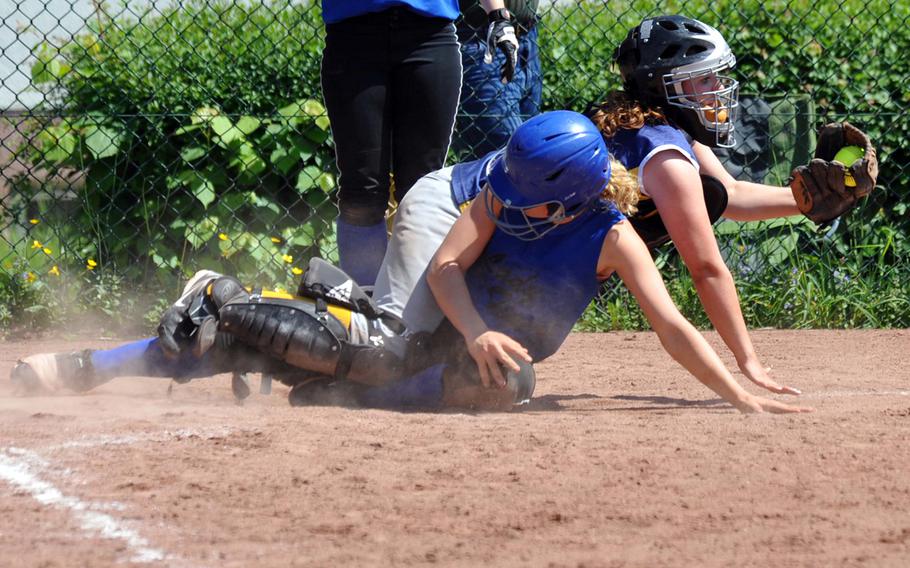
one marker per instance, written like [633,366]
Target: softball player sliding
[512,275]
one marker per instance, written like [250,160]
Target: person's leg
[453,383]
[422,222]
[425,86]
[532,84]
[84,370]
[354,84]
[489,110]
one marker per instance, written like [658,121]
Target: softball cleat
[52,372]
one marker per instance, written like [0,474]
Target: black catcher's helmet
[664,55]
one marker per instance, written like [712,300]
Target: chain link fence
[140,142]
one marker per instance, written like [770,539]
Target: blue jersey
[468,179]
[535,291]
[337,10]
[633,148]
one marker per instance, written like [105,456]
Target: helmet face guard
[715,110]
[516,221]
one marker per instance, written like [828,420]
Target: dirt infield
[622,459]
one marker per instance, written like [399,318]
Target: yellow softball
[847,155]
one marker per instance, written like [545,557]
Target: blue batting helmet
[557,159]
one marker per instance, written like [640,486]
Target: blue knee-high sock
[422,390]
[361,249]
[145,358]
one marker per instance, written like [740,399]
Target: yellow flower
[287,258]
[37,245]
[90,264]
[222,236]
[276,240]
[54,270]
[47,251]
[30,277]
[34,221]
[296,271]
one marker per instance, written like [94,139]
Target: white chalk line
[17,471]
[849,393]
[165,436]
[22,468]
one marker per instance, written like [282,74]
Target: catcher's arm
[821,188]
[674,184]
[624,252]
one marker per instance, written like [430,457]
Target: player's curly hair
[622,189]
[621,111]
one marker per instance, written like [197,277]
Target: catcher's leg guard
[306,334]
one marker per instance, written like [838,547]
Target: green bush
[194,138]
[200,138]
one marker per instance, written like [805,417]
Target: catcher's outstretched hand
[755,404]
[761,376]
[493,351]
[824,189]
[501,35]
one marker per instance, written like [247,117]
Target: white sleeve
[654,152]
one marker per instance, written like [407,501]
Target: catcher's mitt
[820,188]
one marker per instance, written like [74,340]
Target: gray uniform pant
[422,222]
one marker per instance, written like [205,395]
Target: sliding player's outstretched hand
[828,186]
[192,321]
[493,351]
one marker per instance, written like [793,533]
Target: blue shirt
[534,291]
[633,148]
[337,10]
[468,178]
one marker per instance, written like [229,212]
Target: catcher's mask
[553,169]
[677,63]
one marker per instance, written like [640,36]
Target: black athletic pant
[391,82]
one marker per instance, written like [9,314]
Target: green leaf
[290,111]
[200,233]
[248,124]
[169,260]
[203,115]
[191,153]
[313,107]
[282,160]
[306,180]
[326,182]
[226,131]
[103,141]
[200,186]
[187,128]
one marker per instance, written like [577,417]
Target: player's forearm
[754,202]
[451,292]
[718,296]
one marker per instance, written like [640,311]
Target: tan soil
[622,459]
